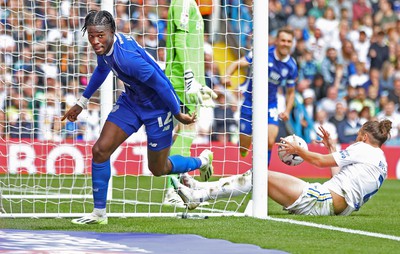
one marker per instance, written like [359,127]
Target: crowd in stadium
[348,57]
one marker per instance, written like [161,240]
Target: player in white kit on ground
[357,174]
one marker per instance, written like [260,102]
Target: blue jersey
[280,73]
[132,65]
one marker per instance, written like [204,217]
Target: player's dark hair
[99,18]
[380,131]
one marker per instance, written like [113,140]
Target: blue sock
[182,164]
[101,173]
[269,156]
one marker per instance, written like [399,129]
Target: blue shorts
[246,119]
[130,117]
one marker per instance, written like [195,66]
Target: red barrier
[67,158]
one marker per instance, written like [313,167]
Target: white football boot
[206,169]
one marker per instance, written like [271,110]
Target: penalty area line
[345,230]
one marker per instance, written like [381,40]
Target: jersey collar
[284,60]
[112,47]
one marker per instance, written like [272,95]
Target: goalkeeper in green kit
[185,70]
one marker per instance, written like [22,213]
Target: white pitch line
[345,230]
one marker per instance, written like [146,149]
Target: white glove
[207,96]
[192,88]
[196,93]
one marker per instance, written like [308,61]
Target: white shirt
[362,171]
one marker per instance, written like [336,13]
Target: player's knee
[158,170]
[99,154]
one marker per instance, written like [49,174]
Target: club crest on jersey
[274,77]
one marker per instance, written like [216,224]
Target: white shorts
[316,199]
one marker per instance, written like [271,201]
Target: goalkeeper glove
[207,96]
[196,93]
[192,88]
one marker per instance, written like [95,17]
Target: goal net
[45,64]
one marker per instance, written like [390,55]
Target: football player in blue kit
[149,99]
[282,71]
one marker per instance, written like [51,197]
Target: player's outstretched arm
[317,159]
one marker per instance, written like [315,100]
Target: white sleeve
[352,154]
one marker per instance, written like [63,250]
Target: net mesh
[46,63]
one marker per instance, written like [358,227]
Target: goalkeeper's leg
[194,192]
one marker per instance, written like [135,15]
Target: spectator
[362,101]
[378,52]
[340,7]
[309,102]
[276,17]
[389,112]
[318,9]
[360,8]
[365,115]
[361,46]
[349,56]
[321,119]
[308,68]
[49,118]
[394,94]
[328,104]
[360,78]
[224,126]
[300,120]
[386,77]
[333,70]
[7,46]
[328,26]
[366,25]
[298,20]
[19,118]
[150,41]
[348,129]
[385,16]
[317,45]
[319,86]
[340,114]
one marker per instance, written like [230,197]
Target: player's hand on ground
[72,113]
[192,88]
[186,118]
[284,116]
[208,96]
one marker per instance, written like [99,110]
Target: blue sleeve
[135,65]
[97,79]
[165,91]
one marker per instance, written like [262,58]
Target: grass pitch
[379,215]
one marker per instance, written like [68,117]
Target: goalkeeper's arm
[195,92]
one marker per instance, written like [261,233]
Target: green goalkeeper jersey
[185,44]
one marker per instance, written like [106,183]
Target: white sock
[232,186]
[100,212]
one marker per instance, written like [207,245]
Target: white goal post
[45,63]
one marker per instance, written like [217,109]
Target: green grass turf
[379,215]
